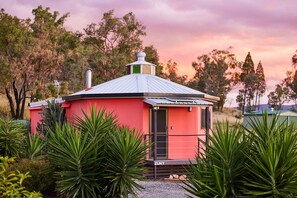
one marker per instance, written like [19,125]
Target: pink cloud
[183,30]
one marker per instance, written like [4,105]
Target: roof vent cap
[141,56]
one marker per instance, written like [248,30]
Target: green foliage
[52,115]
[98,124]
[256,162]
[112,42]
[96,158]
[11,182]
[277,97]
[35,145]
[215,74]
[12,136]
[124,153]
[41,179]
[171,73]
[77,161]
[271,169]
[220,172]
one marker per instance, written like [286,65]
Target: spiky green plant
[96,159]
[219,173]
[76,159]
[97,123]
[272,165]
[52,114]
[34,146]
[264,162]
[125,150]
[12,137]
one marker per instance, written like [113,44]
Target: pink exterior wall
[129,112]
[182,122]
[35,117]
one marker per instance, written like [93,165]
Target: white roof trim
[177,102]
[44,102]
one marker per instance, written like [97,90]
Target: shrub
[261,162]
[41,179]
[12,137]
[95,159]
[34,146]
[52,115]
[76,161]
[220,172]
[11,182]
[124,153]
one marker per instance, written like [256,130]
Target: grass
[5,110]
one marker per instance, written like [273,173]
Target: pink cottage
[174,119]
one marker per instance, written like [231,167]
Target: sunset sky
[182,30]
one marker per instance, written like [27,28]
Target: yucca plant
[53,114]
[272,165]
[97,123]
[125,150]
[12,137]
[76,159]
[219,173]
[35,145]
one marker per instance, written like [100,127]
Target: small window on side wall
[136,69]
[203,118]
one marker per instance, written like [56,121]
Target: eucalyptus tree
[216,74]
[16,45]
[113,42]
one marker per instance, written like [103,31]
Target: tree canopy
[215,74]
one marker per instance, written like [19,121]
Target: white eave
[44,102]
[176,102]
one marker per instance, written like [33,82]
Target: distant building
[284,115]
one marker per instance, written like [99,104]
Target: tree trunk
[17,105]
[11,104]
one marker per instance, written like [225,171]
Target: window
[203,118]
[136,69]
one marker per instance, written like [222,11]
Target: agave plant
[219,173]
[125,150]
[272,165]
[12,136]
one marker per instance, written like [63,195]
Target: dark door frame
[154,136]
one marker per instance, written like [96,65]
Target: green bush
[52,115]
[124,153]
[220,173]
[261,162]
[12,137]
[34,146]
[76,160]
[95,159]
[41,179]
[11,182]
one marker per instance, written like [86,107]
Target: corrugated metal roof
[176,102]
[44,102]
[137,84]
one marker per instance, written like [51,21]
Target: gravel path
[163,189]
